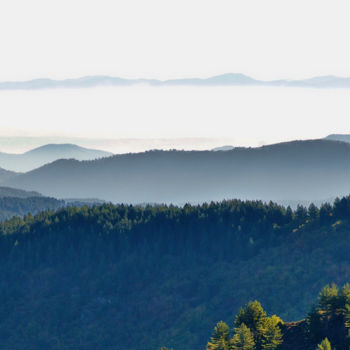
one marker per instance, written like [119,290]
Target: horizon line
[226,79]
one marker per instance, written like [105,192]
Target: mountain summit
[67,150]
[47,154]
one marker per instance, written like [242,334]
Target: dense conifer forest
[142,277]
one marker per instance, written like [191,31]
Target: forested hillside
[16,202]
[15,192]
[298,170]
[126,277]
[17,206]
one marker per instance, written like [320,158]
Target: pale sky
[265,39]
[237,115]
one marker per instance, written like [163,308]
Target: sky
[164,39]
[267,39]
[239,116]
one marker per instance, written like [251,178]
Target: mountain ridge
[314,169]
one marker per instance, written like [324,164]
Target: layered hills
[298,170]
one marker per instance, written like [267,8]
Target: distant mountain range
[298,170]
[46,154]
[229,79]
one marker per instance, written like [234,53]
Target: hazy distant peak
[231,78]
[53,147]
[223,148]
[64,147]
[47,154]
[223,79]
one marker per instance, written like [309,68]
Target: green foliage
[324,345]
[266,330]
[328,299]
[252,315]
[220,338]
[270,332]
[243,339]
[330,317]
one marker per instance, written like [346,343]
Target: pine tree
[324,345]
[270,332]
[301,214]
[243,339]
[329,300]
[344,295]
[220,338]
[251,315]
[314,212]
[265,330]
